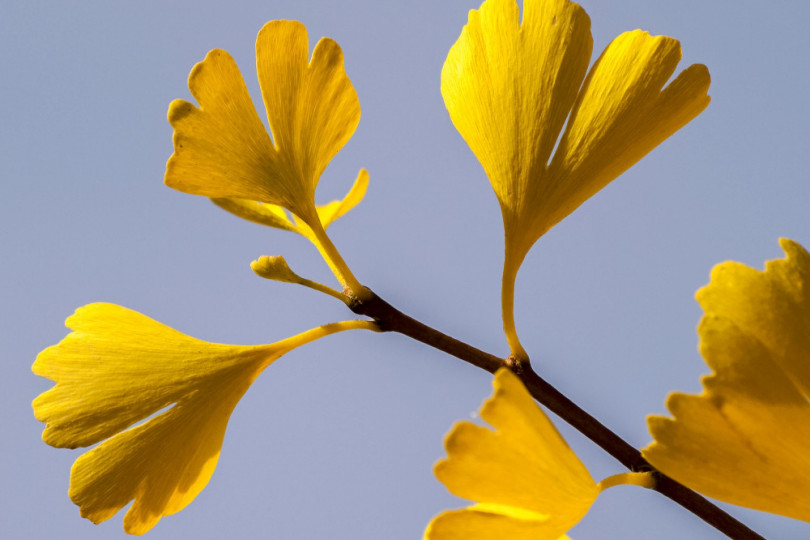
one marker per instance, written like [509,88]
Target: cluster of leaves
[550,133]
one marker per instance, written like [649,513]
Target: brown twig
[391,319]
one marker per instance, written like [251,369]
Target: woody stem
[391,319]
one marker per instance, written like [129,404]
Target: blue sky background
[336,440]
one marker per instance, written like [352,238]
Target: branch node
[358,304]
[518,365]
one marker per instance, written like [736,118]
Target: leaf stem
[336,263]
[324,330]
[641,479]
[508,310]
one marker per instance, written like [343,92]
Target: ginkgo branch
[392,320]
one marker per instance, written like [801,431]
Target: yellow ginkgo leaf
[273,215]
[511,87]
[221,148]
[222,151]
[330,212]
[119,367]
[527,482]
[270,215]
[746,439]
